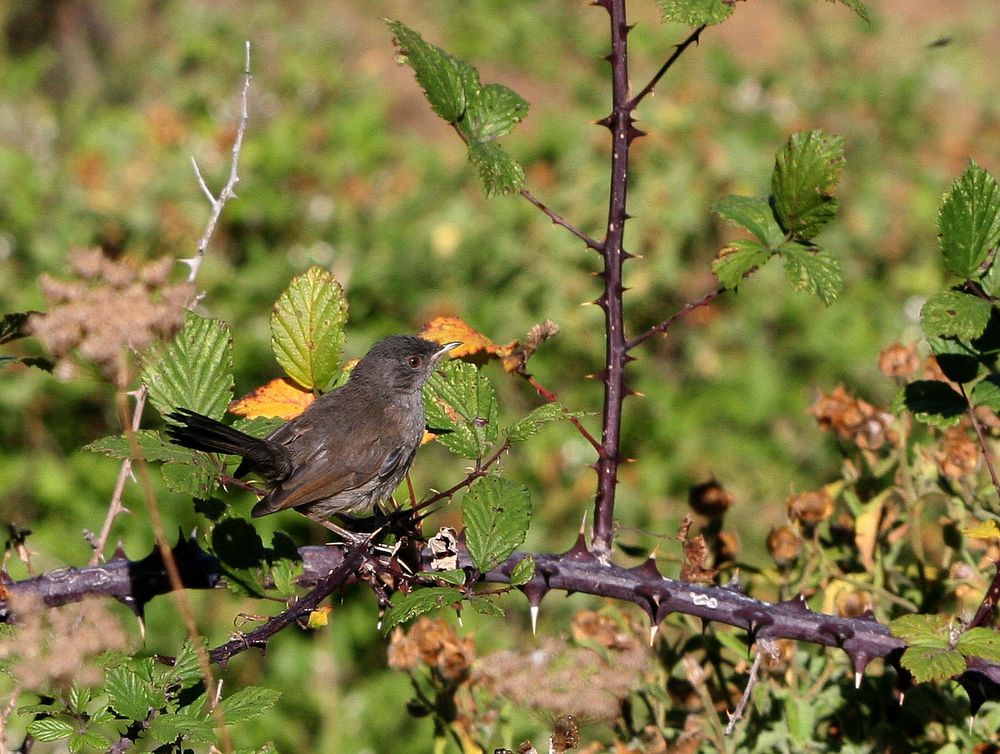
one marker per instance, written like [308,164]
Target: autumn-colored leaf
[475,347]
[278,398]
[319,617]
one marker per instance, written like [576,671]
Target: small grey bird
[348,451]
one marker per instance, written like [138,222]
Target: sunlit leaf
[420,601]
[980,642]
[307,328]
[969,221]
[955,314]
[496,513]
[439,74]
[738,259]
[753,213]
[493,112]
[277,398]
[462,409]
[927,663]
[523,572]
[932,402]
[475,345]
[498,171]
[804,182]
[695,12]
[813,270]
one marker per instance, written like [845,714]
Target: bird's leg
[347,535]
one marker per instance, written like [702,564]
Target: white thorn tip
[534,620]
[857,679]
[652,633]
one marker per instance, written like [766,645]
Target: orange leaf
[278,398]
[475,347]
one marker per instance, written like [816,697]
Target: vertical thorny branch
[621,124]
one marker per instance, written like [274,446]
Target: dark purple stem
[562,222]
[665,325]
[620,123]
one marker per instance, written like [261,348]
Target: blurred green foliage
[102,105]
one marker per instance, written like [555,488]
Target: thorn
[142,627]
[902,696]
[648,569]
[857,679]
[461,623]
[534,619]
[652,632]
[378,625]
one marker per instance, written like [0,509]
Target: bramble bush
[873,625]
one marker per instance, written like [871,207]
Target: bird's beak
[439,354]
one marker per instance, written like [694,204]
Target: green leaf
[130,694]
[195,371]
[858,7]
[987,393]
[954,314]
[493,112]
[486,606]
[285,574]
[957,360]
[461,404]
[87,741]
[523,572]
[813,270]
[186,670]
[980,642]
[50,729]
[185,471]
[455,576]
[753,213]
[408,606]
[969,221]
[737,260]
[499,173]
[307,328]
[932,402]
[927,630]
[804,182]
[496,513]
[530,424]
[928,663]
[695,12]
[249,703]
[439,74]
[78,699]
[183,724]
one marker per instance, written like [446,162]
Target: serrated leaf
[184,470]
[130,694]
[439,74]
[50,729]
[461,404]
[804,182]
[420,601]
[278,398]
[932,663]
[307,328]
[182,724]
[932,402]
[195,371]
[496,513]
[530,424]
[498,171]
[197,477]
[927,630]
[78,699]
[493,112]
[954,314]
[738,259]
[186,670]
[248,703]
[523,572]
[455,576]
[969,221]
[987,393]
[486,606]
[695,12]
[285,574]
[980,642]
[87,741]
[754,214]
[813,270]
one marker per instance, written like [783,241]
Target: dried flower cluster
[111,308]
[434,643]
[560,678]
[854,420]
[54,648]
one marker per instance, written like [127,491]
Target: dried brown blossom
[436,644]
[113,307]
[709,499]
[784,545]
[694,566]
[588,625]
[854,420]
[559,678]
[810,508]
[897,360]
[957,454]
[54,648]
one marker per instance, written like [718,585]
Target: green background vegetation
[103,103]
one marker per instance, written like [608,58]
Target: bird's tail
[198,432]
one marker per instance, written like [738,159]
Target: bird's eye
[414,361]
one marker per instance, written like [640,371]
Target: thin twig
[553,398]
[665,325]
[229,190]
[479,471]
[558,219]
[990,600]
[678,51]
[737,714]
[987,454]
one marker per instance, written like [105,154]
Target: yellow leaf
[319,617]
[278,398]
[475,347]
[983,530]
